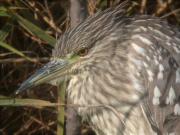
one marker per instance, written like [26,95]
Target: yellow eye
[83,52]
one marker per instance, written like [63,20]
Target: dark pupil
[82,52]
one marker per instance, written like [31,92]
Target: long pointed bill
[51,71]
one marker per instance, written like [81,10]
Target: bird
[123,71]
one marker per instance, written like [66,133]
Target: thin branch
[78,11]
[21,60]
[143,6]
[171,13]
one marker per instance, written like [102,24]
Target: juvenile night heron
[127,68]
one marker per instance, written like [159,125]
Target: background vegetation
[28,32]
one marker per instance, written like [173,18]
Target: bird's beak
[51,71]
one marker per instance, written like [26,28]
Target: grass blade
[35,30]
[6,101]
[3,12]
[61,109]
[14,50]
[4,32]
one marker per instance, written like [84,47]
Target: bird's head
[71,59]
[56,70]
[84,48]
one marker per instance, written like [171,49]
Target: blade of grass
[4,32]
[35,30]
[7,101]
[61,109]
[3,12]
[14,50]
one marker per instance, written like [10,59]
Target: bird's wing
[157,46]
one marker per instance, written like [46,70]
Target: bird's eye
[83,52]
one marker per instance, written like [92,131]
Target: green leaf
[5,31]
[3,12]
[14,50]
[2,8]
[35,30]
